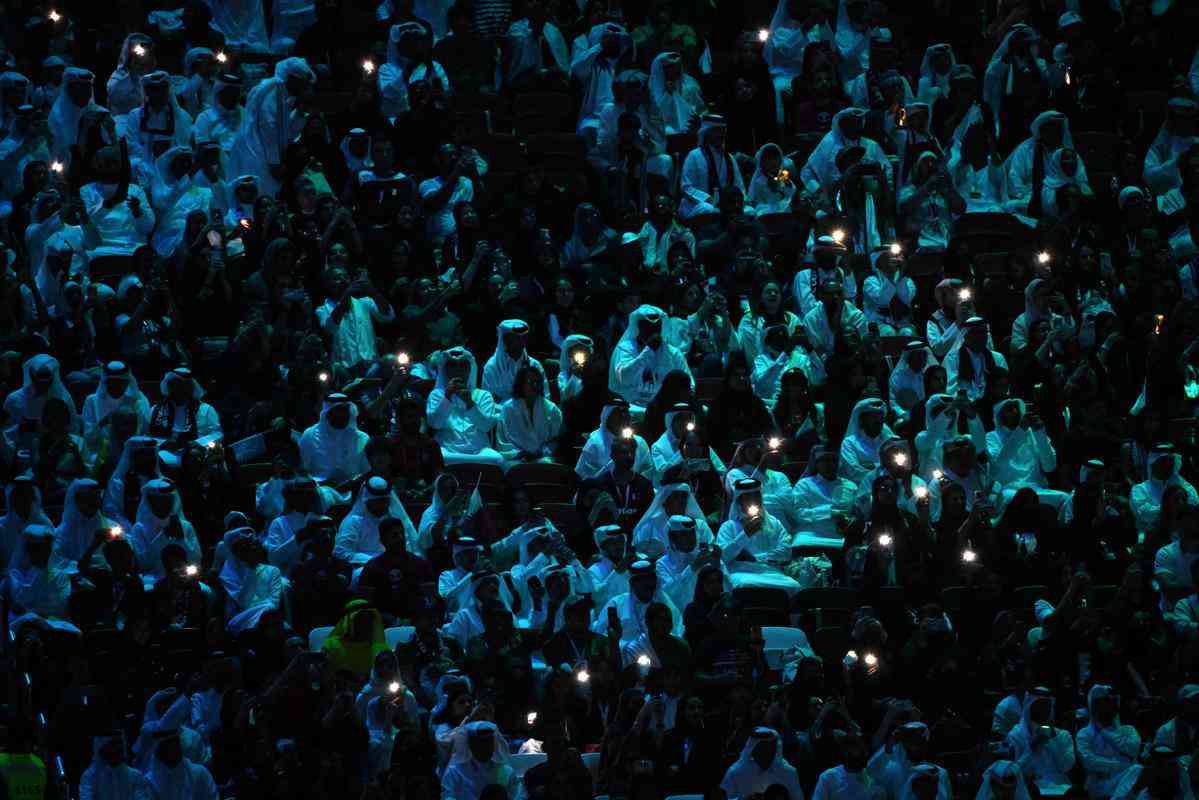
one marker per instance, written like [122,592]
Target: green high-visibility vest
[23,776]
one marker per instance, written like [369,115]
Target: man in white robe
[334,450]
[510,355]
[708,169]
[271,121]
[760,766]
[642,358]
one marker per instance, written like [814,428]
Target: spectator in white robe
[709,170]
[349,314]
[1164,471]
[387,683]
[668,450]
[675,93]
[869,87]
[453,505]
[852,39]
[408,61]
[124,86]
[109,777]
[1176,136]
[1050,132]
[182,414]
[832,318]
[773,185]
[1044,752]
[849,780]
[935,68]
[1037,297]
[169,709]
[1064,171]
[822,264]
[689,549]
[650,536]
[172,775]
[117,226]
[905,387]
[642,358]
[118,389]
[610,572]
[820,171]
[896,761]
[334,449]
[661,233]
[178,195]
[971,362]
[499,373]
[615,421]
[942,331]
[596,67]
[978,170]
[530,423]
[1017,52]
[460,415]
[943,414]
[253,587]
[888,294]
[794,26]
[822,497]
[137,465]
[534,46]
[75,98]
[864,436]
[753,543]
[481,763]
[1020,452]
[358,536]
[195,93]
[453,584]
[1003,781]
[487,591]
[243,196]
[576,350]
[82,521]
[37,590]
[754,459]
[650,138]
[41,381]
[272,119]
[160,522]
[220,118]
[1105,747]
[245,26]
[760,766]
[157,124]
[286,534]
[631,605]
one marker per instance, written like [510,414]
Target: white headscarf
[997,81]
[745,777]
[853,45]
[674,102]
[865,447]
[253,148]
[353,162]
[330,454]
[784,48]
[106,782]
[651,535]
[28,405]
[75,533]
[570,384]
[500,370]
[147,537]
[175,718]
[762,195]
[100,404]
[124,88]
[368,527]
[1006,772]
[1056,178]
[931,85]
[114,493]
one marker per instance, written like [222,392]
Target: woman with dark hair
[797,416]
[697,616]
[675,389]
[890,547]
[1027,536]
[736,414]
[690,755]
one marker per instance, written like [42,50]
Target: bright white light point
[901,459]
[56,166]
[402,359]
[324,377]
[885,540]
[775,443]
[583,676]
[54,16]
[753,511]
[690,426]
[851,654]
[969,556]
[763,34]
[221,57]
[393,687]
[871,659]
[643,660]
[838,236]
[531,717]
[114,531]
[626,433]
[1043,257]
[896,249]
[191,570]
[138,50]
[580,358]
[964,295]
[368,66]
